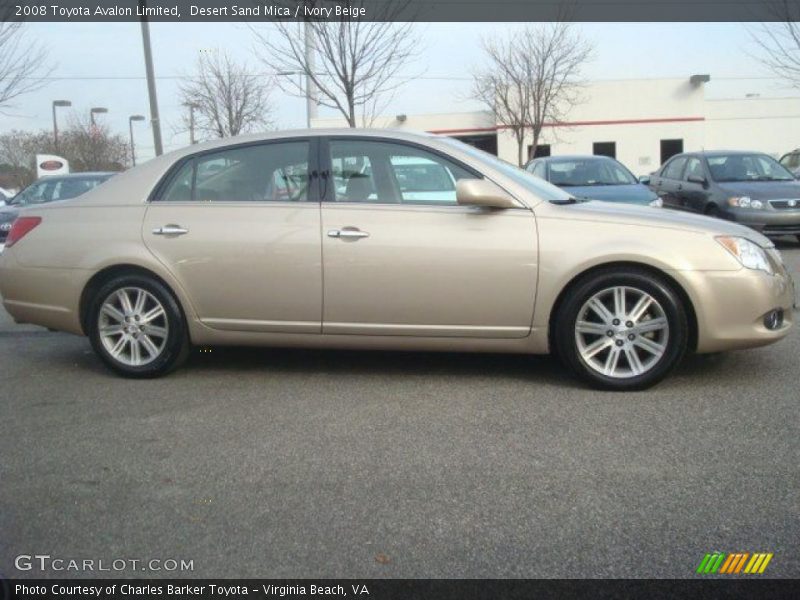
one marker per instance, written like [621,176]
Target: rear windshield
[50,189]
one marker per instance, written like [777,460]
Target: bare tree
[87,147]
[227,98]
[353,64]
[21,62]
[18,151]
[532,78]
[92,147]
[779,42]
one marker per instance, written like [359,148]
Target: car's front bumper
[769,222]
[730,306]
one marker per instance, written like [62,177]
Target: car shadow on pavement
[544,369]
[233,362]
[786,243]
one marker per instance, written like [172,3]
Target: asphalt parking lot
[277,463]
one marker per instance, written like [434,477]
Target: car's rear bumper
[42,296]
[768,222]
[731,307]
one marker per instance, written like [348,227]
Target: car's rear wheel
[136,327]
[622,330]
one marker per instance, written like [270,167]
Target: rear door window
[674,168]
[269,172]
[694,168]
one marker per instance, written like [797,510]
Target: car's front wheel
[136,327]
[621,329]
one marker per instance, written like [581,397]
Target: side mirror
[482,192]
[644,179]
[697,179]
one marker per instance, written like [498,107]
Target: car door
[668,183]
[401,257]
[695,190]
[239,229]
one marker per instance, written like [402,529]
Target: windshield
[588,172]
[747,167]
[538,187]
[55,188]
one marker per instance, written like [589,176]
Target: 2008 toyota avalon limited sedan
[374,239]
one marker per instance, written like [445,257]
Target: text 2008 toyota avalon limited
[375,239]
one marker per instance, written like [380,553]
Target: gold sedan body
[330,271]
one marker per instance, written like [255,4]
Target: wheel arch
[691,313]
[107,273]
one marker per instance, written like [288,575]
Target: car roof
[573,157]
[713,153]
[395,134]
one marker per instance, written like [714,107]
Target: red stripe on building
[574,124]
[470,130]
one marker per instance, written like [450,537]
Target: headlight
[750,255]
[657,202]
[745,202]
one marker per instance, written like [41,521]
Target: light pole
[96,111]
[131,119]
[151,80]
[192,107]
[59,104]
[311,87]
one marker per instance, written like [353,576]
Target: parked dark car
[593,178]
[48,189]
[747,187]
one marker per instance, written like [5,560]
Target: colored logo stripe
[758,563]
[733,563]
[711,562]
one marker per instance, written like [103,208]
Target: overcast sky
[102,65]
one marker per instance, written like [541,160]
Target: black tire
[712,210]
[566,344]
[175,345]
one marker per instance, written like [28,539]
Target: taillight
[20,229]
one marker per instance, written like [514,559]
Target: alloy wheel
[621,332]
[133,326]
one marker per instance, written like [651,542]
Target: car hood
[646,216]
[762,190]
[629,194]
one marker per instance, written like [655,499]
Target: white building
[640,122]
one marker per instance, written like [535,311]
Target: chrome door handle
[170,230]
[348,234]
